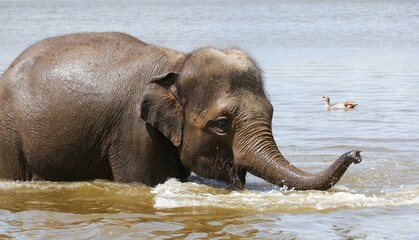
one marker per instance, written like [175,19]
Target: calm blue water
[367,51]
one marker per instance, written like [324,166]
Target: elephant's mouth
[232,174]
[222,168]
[237,177]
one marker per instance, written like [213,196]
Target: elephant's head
[215,111]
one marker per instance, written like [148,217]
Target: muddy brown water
[367,51]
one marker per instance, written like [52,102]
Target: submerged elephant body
[109,106]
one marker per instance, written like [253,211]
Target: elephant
[106,105]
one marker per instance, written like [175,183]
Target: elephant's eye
[221,125]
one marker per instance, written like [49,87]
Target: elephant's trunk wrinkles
[262,158]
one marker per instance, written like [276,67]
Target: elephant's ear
[160,107]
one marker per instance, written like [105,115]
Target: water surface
[366,51]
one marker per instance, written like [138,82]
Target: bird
[341,105]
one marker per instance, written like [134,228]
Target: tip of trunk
[355,155]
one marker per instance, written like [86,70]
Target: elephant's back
[88,62]
[74,60]
[72,71]
[68,91]
[78,43]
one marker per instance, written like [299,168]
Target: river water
[367,51]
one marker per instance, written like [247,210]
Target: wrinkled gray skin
[108,106]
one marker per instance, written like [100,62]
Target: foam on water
[174,194]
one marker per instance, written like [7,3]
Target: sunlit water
[367,51]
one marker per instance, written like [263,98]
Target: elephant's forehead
[222,103]
[236,106]
[229,103]
[210,72]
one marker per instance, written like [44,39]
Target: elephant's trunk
[262,158]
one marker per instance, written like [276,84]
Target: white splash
[174,194]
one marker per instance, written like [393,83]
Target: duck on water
[340,105]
